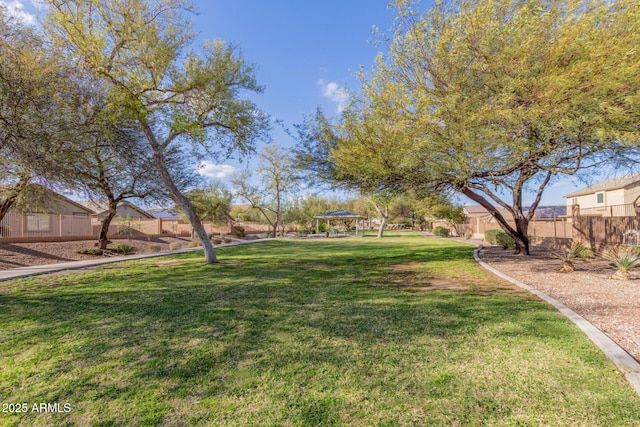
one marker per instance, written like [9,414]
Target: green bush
[441,231]
[154,247]
[498,237]
[468,235]
[194,244]
[490,235]
[123,249]
[92,251]
[216,241]
[504,240]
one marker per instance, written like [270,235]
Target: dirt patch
[410,277]
[14,255]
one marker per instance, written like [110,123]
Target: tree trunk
[385,218]
[179,198]
[519,235]
[103,239]
[13,194]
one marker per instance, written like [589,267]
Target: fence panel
[35,226]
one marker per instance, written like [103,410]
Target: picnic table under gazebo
[339,215]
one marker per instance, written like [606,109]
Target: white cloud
[333,91]
[211,170]
[15,8]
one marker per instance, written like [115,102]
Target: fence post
[575,219]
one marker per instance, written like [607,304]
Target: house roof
[52,193]
[475,210]
[607,185]
[164,213]
[102,206]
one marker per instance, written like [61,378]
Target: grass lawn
[357,331]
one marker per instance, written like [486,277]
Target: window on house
[600,198]
[574,201]
[38,222]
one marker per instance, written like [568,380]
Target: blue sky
[307,53]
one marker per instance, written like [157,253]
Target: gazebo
[338,215]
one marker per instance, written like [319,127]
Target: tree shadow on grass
[215,331]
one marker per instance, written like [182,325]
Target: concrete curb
[623,360]
[36,270]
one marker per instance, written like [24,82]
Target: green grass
[360,331]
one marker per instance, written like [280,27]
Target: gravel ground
[14,255]
[611,305]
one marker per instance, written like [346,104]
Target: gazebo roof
[338,214]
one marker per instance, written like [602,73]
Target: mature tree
[277,177]
[33,110]
[109,159]
[509,94]
[491,99]
[175,95]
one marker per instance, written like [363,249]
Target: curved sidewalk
[623,360]
[35,270]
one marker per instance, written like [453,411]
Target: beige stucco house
[612,197]
[47,214]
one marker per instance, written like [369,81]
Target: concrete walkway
[623,360]
[35,270]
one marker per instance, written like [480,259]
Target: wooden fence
[600,232]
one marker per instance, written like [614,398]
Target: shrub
[624,260]
[441,231]
[227,240]
[490,235]
[496,236]
[194,244]
[504,240]
[216,241]
[175,245]
[575,251]
[468,235]
[124,249]
[92,251]
[154,247]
